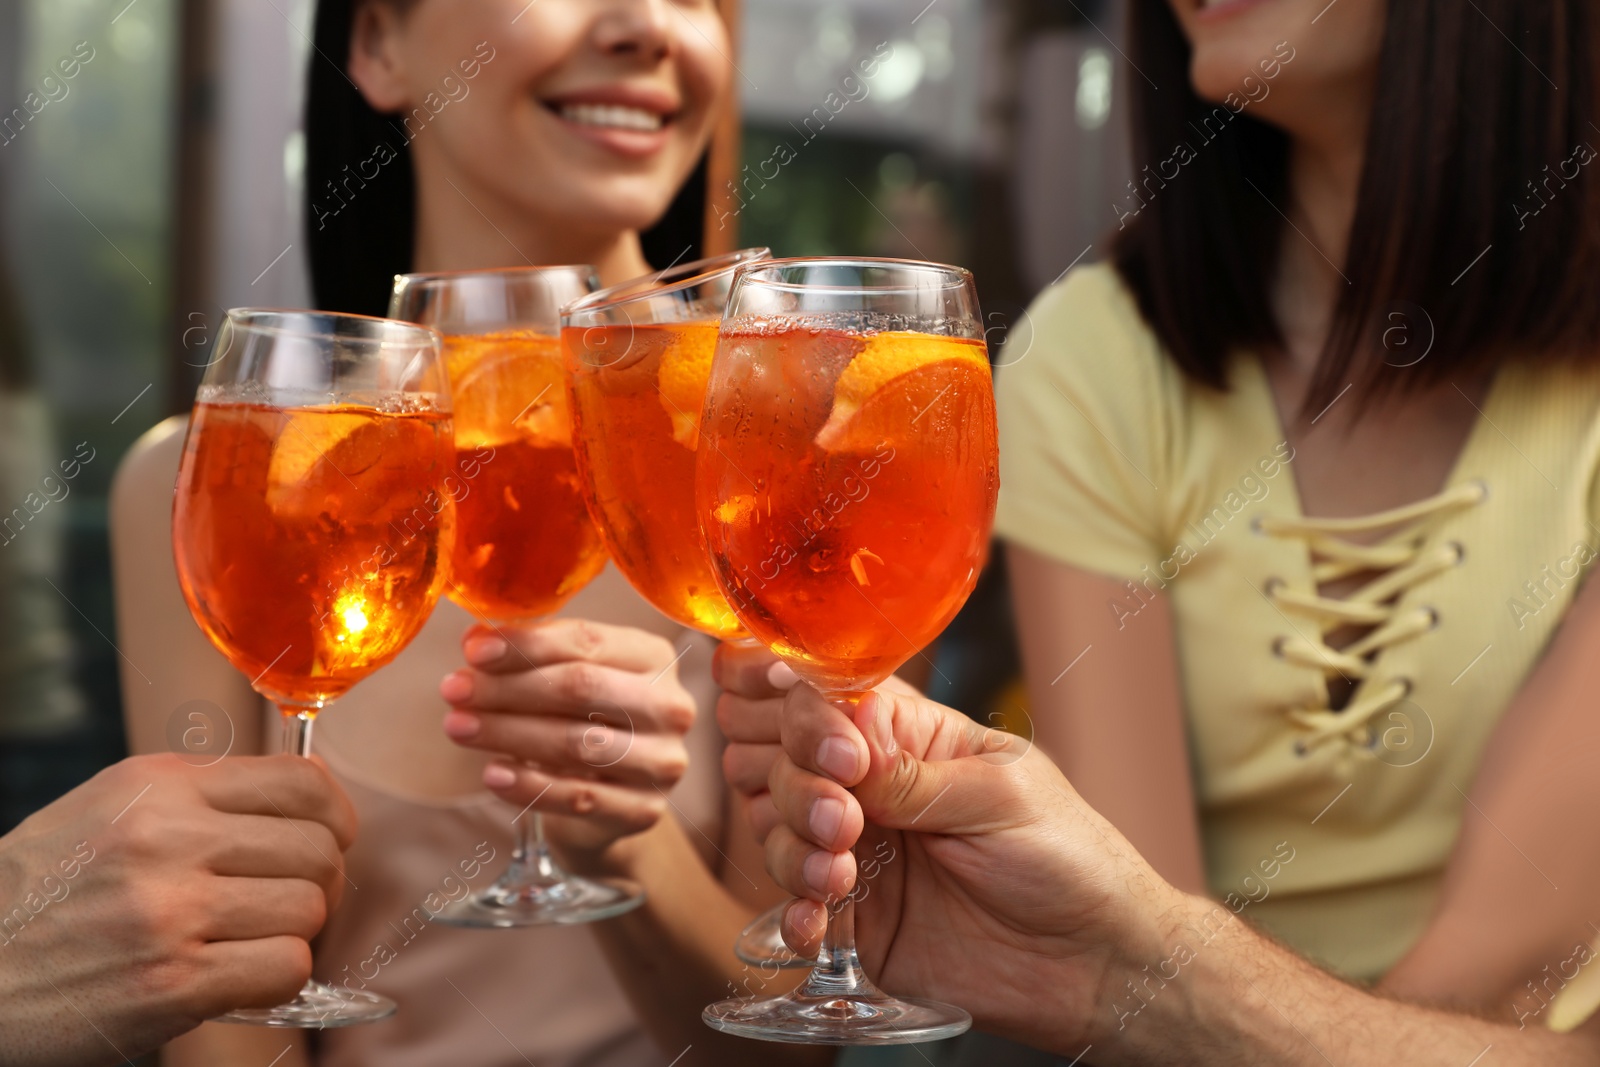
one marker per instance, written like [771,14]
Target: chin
[610,203]
[1220,69]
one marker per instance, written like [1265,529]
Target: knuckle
[678,711]
[312,910]
[172,980]
[903,781]
[673,767]
[144,832]
[587,638]
[288,969]
[661,650]
[582,683]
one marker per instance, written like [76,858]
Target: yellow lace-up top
[1328,826]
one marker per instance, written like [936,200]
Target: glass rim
[429,279]
[646,286]
[957,277]
[269,320]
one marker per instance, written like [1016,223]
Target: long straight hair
[1479,203]
[360,228]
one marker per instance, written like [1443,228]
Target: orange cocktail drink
[525,542]
[638,358]
[855,481]
[311,539]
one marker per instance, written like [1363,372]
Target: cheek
[704,67]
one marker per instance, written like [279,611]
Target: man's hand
[754,682]
[588,719]
[157,895]
[980,876]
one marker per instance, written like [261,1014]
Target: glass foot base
[761,943]
[318,1006]
[869,1017]
[568,901]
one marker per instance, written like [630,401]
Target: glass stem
[297,723]
[838,971]
[531,852]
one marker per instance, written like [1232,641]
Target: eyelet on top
[1256,524]
[1406,682]
[1459,549]
[1300,747]
[1433,616]
[1277,645]
[1482,487]
[1272,585]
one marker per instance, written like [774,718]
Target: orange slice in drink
[314,447]
[887,359]
[684,373]
[508,387]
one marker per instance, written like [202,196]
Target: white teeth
[615,116]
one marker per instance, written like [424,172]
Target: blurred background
[161,183]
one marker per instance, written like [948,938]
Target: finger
[804,923]
[622,809]
[286,786]
[821,738]
[247,974]
[746,767]
[575,747]
[761,814]
[754,721]
[966,794]
[818,810]
[511,648]
[749,670]
[245,909]
[580,690]
[264,846]
[807,871]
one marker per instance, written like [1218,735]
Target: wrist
[1156,1004]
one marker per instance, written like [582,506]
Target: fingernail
[498,777]
[826,816]
[885,727]
[485,650]
[816,869]
[460,725]
[837,758]
[781,676]
[456,687]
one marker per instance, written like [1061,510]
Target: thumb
[954,777]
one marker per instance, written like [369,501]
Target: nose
[644,28]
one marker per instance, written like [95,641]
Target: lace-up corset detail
[1399,562]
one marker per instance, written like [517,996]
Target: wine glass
[524,541]
[638,356]
[846,486]
[638,359]
[309,525]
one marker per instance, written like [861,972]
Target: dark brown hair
[1483,113]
